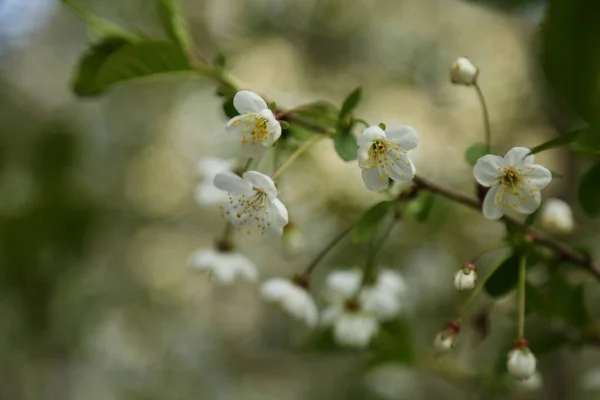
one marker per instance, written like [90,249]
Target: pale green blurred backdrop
[98,219]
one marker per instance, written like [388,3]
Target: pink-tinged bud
[466,277]
[521,362]
[445,338]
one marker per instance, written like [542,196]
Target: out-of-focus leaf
[350,103]
[393,344]
[220,62]
[537,301]
[562,140]
[369,222]
[345,145]
[571,56]
[175,24]
[589,190]
[505,278]
[556,175]
[100,27]
[420,208]
[229,109]
[568,302]
[115,61]
[589,139]
[544,341]
[475,152]
[532,217]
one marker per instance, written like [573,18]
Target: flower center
[378,153]
[352,306]
[248,207]
[253,128]
[513,186]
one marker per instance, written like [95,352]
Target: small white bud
[466,277]
[445,338]
[463,72]
[557,217]
[521,363]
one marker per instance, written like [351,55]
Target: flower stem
[326,250]
[486,118]
[497,246]
[522,281]
[463,314]
[295,155]
[374,247]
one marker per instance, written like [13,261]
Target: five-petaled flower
[252,200]
[224,264]
[514,180]
[256,126]
[383,155]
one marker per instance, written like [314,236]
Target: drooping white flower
[521,363]
[557,217]
[383,155]
[463,72]
[466,277]
[206,193]
[256,126]
[226,266]
[252,200]
[514,180]
[534,382]
[292,298]
[446,337]
[353,325]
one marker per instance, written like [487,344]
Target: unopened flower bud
[521,363]
[557,217]
[466,277]
[463,72]
[445,338]
[294,241]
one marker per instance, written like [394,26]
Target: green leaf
[556,175]
[562,140]
[571,59]
[393,344]
[420,208]
[100,27]
[589,190]
[115,60]
[345,145]
[475,152]
[174,24]
[589,138]
[369,222]
[537,301]
[505,278]
[229,109]
[350,103]
[568,302]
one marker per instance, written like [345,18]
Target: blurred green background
[98,219]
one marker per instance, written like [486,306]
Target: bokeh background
[98,217]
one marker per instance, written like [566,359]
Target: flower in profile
[446,337]
[256,126]
[383,155]
[252,200]
[466,277]
[224,264]
[521,362]
[557,217]
[463,72]
[292,298]
[206,193]
[514,180]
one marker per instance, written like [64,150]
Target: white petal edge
[230,182]
[261,181]
[485,169]
[372,179]
[540,176]
[405,135]
[370,134]
[490,210]
[519,156]
[246,100]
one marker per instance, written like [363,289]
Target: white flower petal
[538,176]
[374,180]
[526,202]
[557,217]
[244,267]
[203,259]
[518,156]
[492,210]
[230,182]
[224,266]
[392,281]
[355,330]
[381,303]
[330,315]
[521,363]
[486,169]
[370,134]
[247,101]
[401,169]
[294,300]
[342,284]
[261,181]
[277,218]
[404,135]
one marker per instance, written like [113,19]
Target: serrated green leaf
[505,278]
[475,152]
[350,103]
[369,222]
[116,60]
[420,208]
[589,190]
[345,145]
[562,140]
[174,24]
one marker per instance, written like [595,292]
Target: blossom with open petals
[514,180]
[206,193]
[383,155]
[256,126]
[226,266]
[292,298]
[252,201]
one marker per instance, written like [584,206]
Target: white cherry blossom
[466,277]
[256,126]
[252,201]
[292,298]
[225,266]
[557,217]
[521,363]
[514,180]
[206,193]
[383,155]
